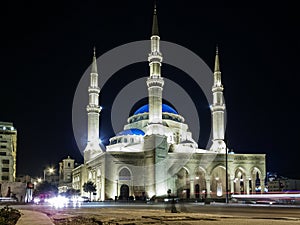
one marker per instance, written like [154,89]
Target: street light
[226,166]
[226,180]
[117,187]
[49,170]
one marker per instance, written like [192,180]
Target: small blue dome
[165,108]
[132,131]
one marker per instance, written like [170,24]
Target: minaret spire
[217,109]
[94,63]
[155,23]
[93,110]
[217,63]
[155,82]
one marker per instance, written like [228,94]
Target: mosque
[156,153]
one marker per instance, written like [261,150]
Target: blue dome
[132,131]
[165,108]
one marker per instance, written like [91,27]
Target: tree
[89,187]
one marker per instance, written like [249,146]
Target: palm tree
[89,187]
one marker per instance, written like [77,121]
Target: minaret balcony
[217,88]
[155,57]
[217,107]
[94,90]
[155,82]
[93,109]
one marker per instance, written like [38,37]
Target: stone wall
[16,188]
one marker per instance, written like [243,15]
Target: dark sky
[46,47]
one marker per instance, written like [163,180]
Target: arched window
[124,174]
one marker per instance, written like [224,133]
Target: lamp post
[226,179]
[226,167]
[116,197]
[117,187]
[49,170]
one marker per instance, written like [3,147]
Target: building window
[5,178]
[5,169]
[3,141]
[3,146]
[69,164]
[3,153]
[5,161]
[131,140]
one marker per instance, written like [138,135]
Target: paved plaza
[90,214]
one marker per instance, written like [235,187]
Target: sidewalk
[30,217]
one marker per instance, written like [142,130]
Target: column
[232,184]
[192,188]
[246,186]
[253,180]
[262,184]
[238,186]
[207,180]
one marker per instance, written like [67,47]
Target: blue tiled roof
[132,131]
[165,108]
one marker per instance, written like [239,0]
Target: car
[85,199]
[268,202]
[8,199]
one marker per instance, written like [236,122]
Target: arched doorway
[183,184]
[218,182]
[254,183]
[124,183]
[124,192]
[239,181]
[199,182]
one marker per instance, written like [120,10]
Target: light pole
[226,167]
[226,164]
[117,189]
[49,170]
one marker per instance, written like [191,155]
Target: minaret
[155,82]
[155,141]
[93,110]
[217,110]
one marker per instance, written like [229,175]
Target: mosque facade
[156,153]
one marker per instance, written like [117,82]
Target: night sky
[46,47]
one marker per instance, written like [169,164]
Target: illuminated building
[8,151]
[65,174]
[156,152]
